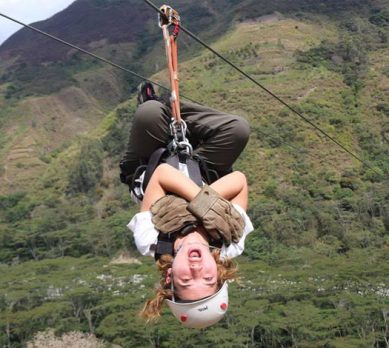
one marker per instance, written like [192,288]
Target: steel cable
[193,36]
[165,88]
[89,53]
[128,71]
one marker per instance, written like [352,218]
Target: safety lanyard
[172,18]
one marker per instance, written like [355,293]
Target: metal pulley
[169,16]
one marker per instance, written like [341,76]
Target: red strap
[176,30]
[172,55]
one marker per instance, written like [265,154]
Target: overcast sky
[27,11]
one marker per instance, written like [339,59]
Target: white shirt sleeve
[145,235]
[235,249]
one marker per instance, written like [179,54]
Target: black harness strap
[165,245]
[154,161]
[174,161]
[194,171]
[197,168]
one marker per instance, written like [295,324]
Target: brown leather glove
[170,214]
[216,213]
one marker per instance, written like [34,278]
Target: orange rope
[172,57]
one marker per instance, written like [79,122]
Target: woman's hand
[216,213]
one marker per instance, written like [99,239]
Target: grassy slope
[39,125]
[296,296]
[274,68]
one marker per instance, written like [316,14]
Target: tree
[87,168]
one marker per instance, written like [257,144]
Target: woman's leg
[149,131]
[216,136]
[167,179]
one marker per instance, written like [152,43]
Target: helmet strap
[172,287]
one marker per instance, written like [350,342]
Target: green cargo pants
[216,136]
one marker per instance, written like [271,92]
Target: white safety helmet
[202,313]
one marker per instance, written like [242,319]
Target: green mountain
[315,269]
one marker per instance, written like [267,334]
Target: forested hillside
[315,271]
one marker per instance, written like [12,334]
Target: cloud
[27,11]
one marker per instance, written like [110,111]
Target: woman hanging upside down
[192,232]
[215,216]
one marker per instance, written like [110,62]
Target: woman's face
[194,270]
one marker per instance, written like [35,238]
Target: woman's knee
[150,115]
[241,131]
[240,177]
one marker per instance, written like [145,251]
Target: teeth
[194,254]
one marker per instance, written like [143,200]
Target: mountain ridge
[81,24]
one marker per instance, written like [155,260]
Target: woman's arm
[167,179]
[233,187]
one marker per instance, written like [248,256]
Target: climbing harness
[179,151]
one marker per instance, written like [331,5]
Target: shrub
[348,57]
[21,211]
[11,200]
[48,339]
[384,108]
[117,136]
[380,18]
[87,168]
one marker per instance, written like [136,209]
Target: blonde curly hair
[226,270]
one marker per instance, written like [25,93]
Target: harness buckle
[179,142]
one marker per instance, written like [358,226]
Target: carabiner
[178,130]
[186,147]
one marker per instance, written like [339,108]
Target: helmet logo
[203,309]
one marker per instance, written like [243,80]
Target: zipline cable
[193,36]
[131,72]
[88,53]
[165,88]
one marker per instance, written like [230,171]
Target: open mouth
[194,254]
